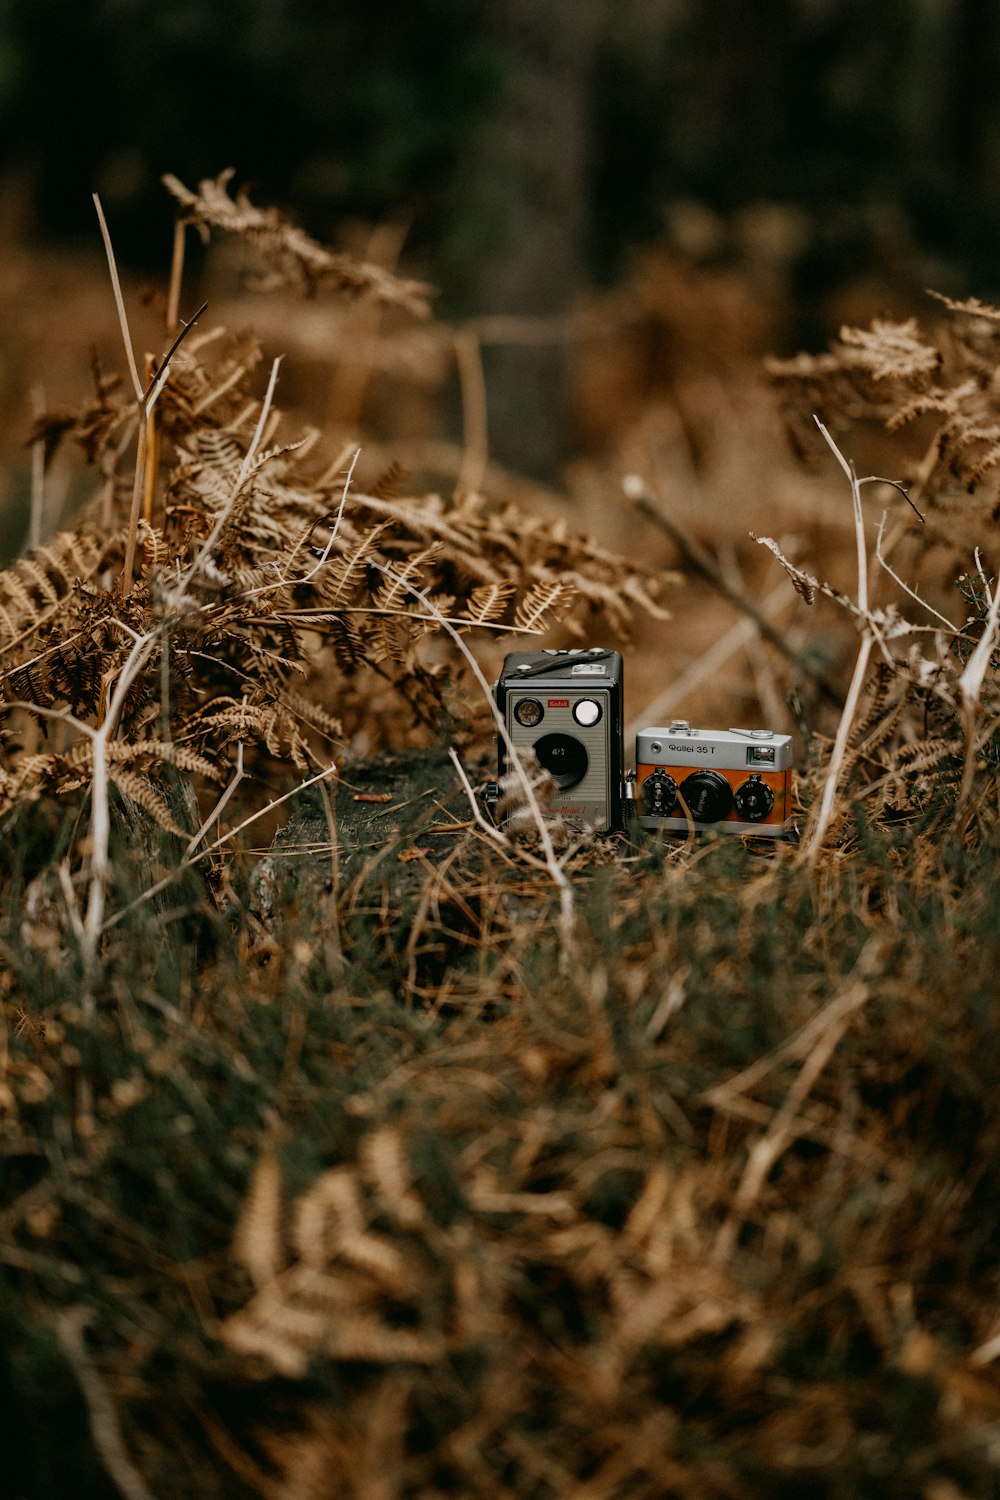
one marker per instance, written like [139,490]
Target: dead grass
[356,1172]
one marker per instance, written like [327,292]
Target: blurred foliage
[884,135]
[351,108]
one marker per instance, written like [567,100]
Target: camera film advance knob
[658,794]
[708,796]
[754,800]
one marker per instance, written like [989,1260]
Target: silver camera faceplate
[587,802]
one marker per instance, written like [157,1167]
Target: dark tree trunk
[527,176]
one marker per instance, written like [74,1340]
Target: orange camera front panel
[776,821]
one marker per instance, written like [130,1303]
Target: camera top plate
[595,664]
[726,749]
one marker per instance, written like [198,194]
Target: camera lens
[708,795]
[754,800]
[658,794]
[564,757]
[529,712]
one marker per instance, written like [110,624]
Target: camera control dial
[754,800]
[708,795]
[658,794]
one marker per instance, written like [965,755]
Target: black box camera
[563,709]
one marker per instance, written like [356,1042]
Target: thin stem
[119,300]
[336,524]
[138,490]
[158,378]
[904,586]
[37,516]
[147,451]
[707,665]
[101,1411]
[222,803]
[176,274]
[700,559]
[814,842]
[475,434]
[494,833]
[971,681]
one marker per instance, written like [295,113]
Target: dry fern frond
[970,305]
[890,351]
[257,1237]
[804,583]
[35,587]
[256,550]
[391,482]
[142,791]
[925,755]
[539,602]
[33,776]
[313,714]
[488,603]
[894,374]
[397,591]
[150,753]
[296,259]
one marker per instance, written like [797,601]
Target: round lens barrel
[564,757]
[708,795]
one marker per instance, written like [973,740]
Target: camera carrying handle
[562,662]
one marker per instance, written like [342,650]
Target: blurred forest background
[625,199]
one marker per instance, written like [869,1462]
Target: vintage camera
[565,708]
[736,780]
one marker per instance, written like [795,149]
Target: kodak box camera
[564,709]
[736,780]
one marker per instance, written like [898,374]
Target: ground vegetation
[396,1156]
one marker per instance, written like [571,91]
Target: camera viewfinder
[529,712]
[586,711]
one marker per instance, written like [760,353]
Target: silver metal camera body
[733,780]
[565,710]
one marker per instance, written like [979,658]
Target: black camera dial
[708,795]
[658,794]
[564,757]
[754,800]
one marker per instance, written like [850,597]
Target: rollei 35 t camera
[736,780]
[565,708]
